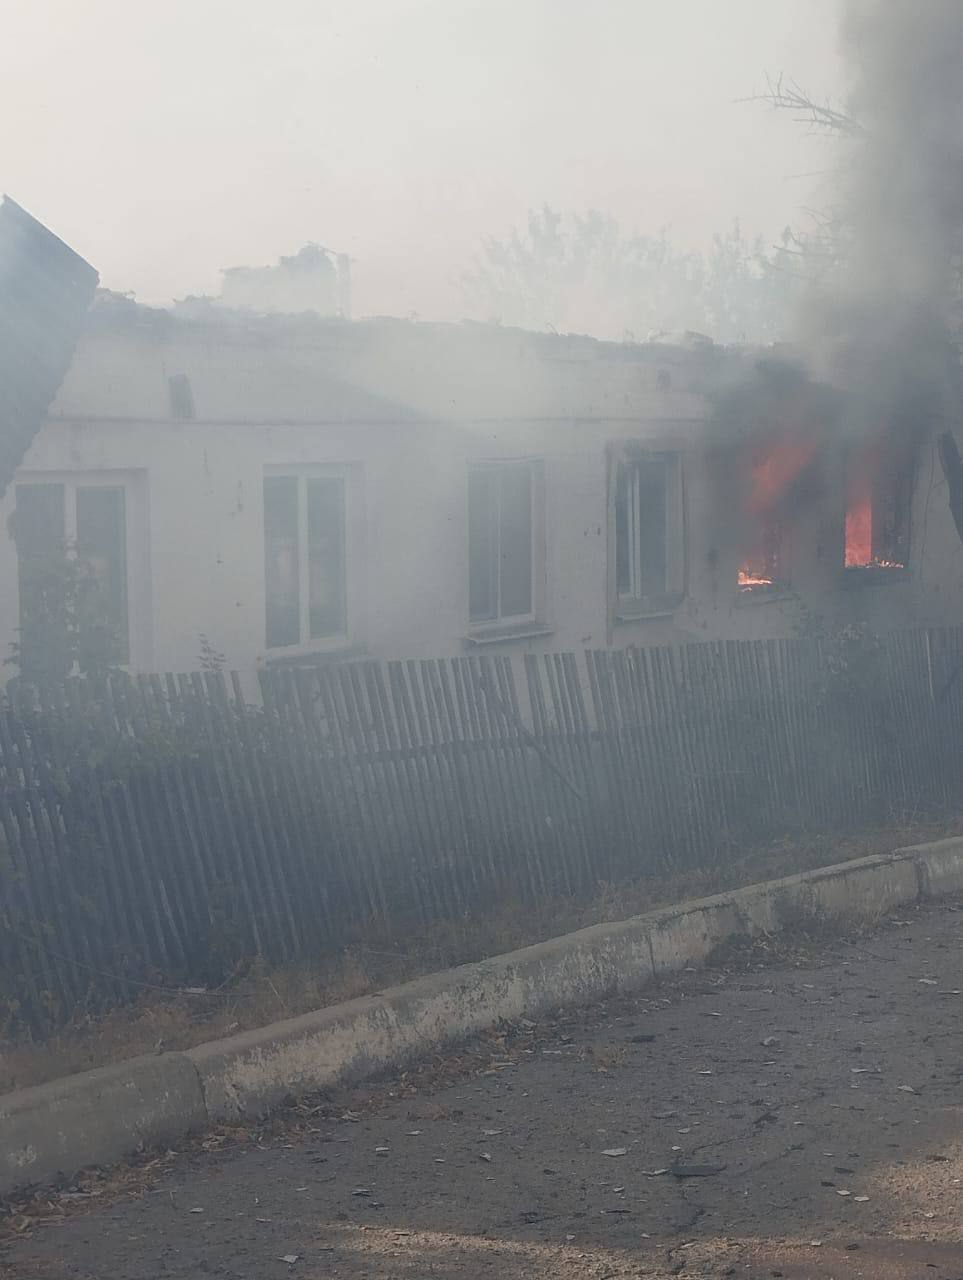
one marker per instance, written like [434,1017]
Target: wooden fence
[162,828]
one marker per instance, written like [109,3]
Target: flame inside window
[877,509]
[859,527]
[760,569]
[775,473]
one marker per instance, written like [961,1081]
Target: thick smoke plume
[882,320]
[888,322]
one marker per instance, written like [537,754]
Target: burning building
[303,490]
[880,323]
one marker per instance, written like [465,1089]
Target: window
[71,543]
[648,532]
[101,540]
[181,396]
[500,543]
[879,481]
[304,556]
[779,473]
[763,567]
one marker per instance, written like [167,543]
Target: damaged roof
[45,290]
[304,368]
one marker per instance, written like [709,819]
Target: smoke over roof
[887,321]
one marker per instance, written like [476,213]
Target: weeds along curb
[100,1117]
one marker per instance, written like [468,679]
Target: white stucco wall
[404,409]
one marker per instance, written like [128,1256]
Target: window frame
[136,544]
[342,640]
[631,607]
[532,621]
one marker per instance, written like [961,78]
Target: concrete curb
[940,867]
[97,1117]
[102,1116]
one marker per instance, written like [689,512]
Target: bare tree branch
[786,95]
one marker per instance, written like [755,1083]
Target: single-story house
[298,489]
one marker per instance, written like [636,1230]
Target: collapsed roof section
[45,290]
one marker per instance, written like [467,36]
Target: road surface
[794,1114]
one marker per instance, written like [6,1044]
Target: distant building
[314,279]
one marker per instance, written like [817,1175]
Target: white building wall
[405,415]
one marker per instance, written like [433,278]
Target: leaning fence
[161,828]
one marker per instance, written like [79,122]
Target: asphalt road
[794,1114]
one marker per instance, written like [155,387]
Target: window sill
[307,656]
[501,634]
[627,611]
[764,595]
[869,575]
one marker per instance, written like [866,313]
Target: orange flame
[770,480]
[748,579]
[775,474]
[862,536]
[859,531]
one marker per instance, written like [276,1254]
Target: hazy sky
[166,139]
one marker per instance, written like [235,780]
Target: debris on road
[683,1170]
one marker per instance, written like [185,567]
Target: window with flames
[776,472]
[879,482]
[762,567]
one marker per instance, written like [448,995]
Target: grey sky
[166,140]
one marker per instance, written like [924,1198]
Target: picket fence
[160,829]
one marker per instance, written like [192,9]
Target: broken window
[879,480]
[304,555]
[648,532]
[71,544]
[763,566]
[779,483]
[500,542]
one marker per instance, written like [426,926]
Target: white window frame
[514,621]
[136,537]
[633,605]
[349,477]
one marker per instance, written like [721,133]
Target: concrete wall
[402,410]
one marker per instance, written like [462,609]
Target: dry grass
[159,1023]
